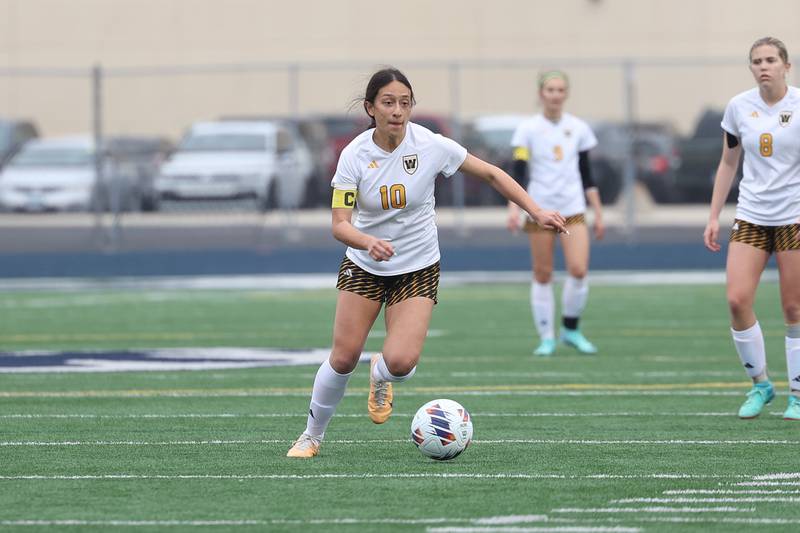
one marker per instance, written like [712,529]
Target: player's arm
[519,169]
[726,171]
[342,205]
[512,191]
[592,193]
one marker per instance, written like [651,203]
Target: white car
[58,174]
[266,160]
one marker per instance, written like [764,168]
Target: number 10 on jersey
[394,196]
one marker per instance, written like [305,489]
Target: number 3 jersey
[769,193]
[551,150]
[394,195]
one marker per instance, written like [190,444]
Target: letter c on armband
[345,199]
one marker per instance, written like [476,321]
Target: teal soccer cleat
[793,411]
[759,396]
[574,338]
[546,348]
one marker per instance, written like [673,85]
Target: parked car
[265,160]
[60,174]
[142,157]
[700,154]
[489,138]
[655,152]
[13,136]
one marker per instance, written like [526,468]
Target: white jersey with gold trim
[394,195]
[769,193]
[554,179]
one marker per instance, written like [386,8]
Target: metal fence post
[458,184]
[97,133]
[629,170]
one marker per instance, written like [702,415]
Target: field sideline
[642,437]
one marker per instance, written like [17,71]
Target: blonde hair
[771,41]
[548,75]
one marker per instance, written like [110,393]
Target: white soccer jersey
[769,193]
[395,195]
[554,179]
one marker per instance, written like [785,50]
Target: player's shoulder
[358,146]
[574,121]
[744,98]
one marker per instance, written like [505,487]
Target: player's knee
[739,303]
[543,275]
[344,358]
[401,366]
[791,312]
[577,272]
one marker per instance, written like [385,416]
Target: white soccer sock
[329,387]
[574,296]
[793,356]
[380,372]
[750,347]
[543,307]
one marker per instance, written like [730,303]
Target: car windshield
[224,142]
[53,157]
[497,139]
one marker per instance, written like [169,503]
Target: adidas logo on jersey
[374,164]
[754,114]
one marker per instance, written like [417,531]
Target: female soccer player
[764,124]
[393,250]
[551,155]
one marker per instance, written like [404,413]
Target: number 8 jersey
[394,195]
[769,193]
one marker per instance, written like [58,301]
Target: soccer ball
[441,429]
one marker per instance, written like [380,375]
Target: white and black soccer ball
[441,429]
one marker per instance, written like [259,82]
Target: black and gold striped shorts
[389,289]
[532,227]
[767,238]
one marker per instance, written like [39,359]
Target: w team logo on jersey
[410,163]
[784,118]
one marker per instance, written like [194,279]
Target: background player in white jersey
[388,172]
[551,155]
[764,124]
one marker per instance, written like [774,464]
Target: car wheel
[270,201]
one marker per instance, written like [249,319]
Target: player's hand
[551,220]
[710,236]
[380,250]
[599,228]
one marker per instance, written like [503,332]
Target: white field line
[656,509]
[729,491]
[427,393]
[579,442]
[687,520]
[533,529]
[425,475]
[145,416]
[746,499]
[777,475]
[769,484]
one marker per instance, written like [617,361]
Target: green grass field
[642,437]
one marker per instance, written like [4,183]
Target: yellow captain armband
[343,199]
[521,153]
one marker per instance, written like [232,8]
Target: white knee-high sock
[793,356]
[543,307]
[750,347]
[380,372]
[329,387]
[574,296]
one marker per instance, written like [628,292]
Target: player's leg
[409,305]
[355,314]
[746,262]
[788,256]
[543,306]
[576,286]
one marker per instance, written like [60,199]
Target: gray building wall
[171,62]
